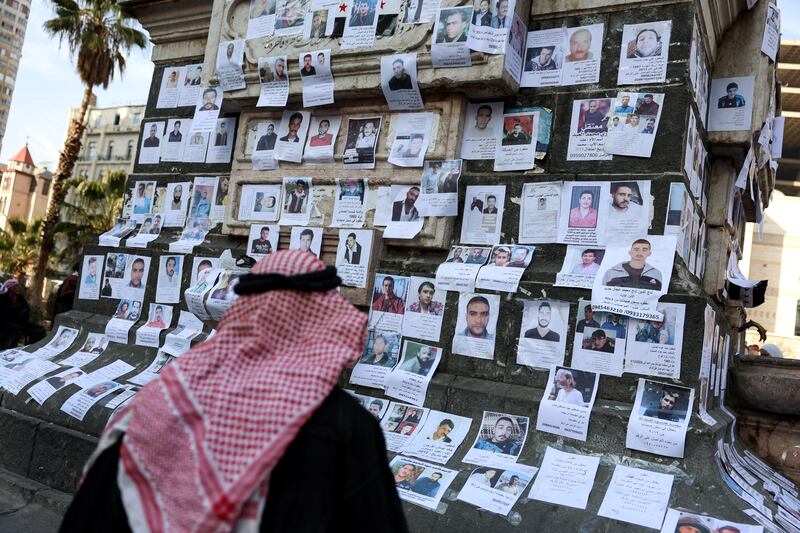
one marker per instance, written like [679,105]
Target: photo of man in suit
[352,250]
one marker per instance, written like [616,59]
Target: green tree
[19,247]
[99,35]
[90,211]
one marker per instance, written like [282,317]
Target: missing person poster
[170,274]
[565,479]
[515,47]
[148,232]
[401,423]
[150,150]
[319,20]
[174,141]
[388,302]
[516,145]
[170,87]
[360,23]
[274,76]
[567,402]
[306,239]
[420,483]
[230,57]
[634,275]
[440,437]
[540,212]
[599,344]
[220,145]
[660,418]
[90,277]
[122,228]
[261,19]
[47,387]
[158,319]
[176,204]
[476,325]
[584,212]
[730,104]
[322,139]
[580,267]
[62,340]
[79,403]
[297,199]
[491,22]
[381,355]
[439,194]
[361,142]
[399,82]
[633,133]
[483,214]
[190,85]
[543,333]
[179,340]
[123,319]
[544,58]
[424,310]
[289,16]
[504,271]
[377,407]
[654,346]
[94,345]
[260,203]
[292,136]
[316,76]
[263,155]
[405,221]
[459,270]
[582,63]
[629,212]
[637,496]
[497,489]
[410,140]
[500,439]
[483,124]
[207,109]
[263,240]
[588,130]
[409,380]
[644,53]
[682,521]
[352,256]
[450,34]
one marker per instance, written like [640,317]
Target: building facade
[13,23]
[109,141]
[24,189]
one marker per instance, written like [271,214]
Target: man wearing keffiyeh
[248,431]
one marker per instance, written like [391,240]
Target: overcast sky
[47,86]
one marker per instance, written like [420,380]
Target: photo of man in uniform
[542,331]
[636,273]
[400,79]
[502,439]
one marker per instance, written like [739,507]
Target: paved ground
[28,507]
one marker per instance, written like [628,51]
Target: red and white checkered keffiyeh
[201,441]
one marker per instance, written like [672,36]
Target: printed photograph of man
[137,273]
[322,138]
[157,319]
[297,197]
[580,44]
[485,476]
[319,20]
[646,105]
[654,332]
[362,135]
[352,189]
[386,300]
[455,255]
[375,408]
[499,437]
[100,389]
[155,229]
[290,14]
[646,44]
[261,8]
[483,116]
[352,250]
[689,524]
[454,24]
[590,263]
[501,256]
[477,256]
[478,313]
[381,352]
[279,70]
[202,205]
[404,210]
[542,331]
[221,139]
[193,75]
[491,205]
[209,102]
[583,208]
[295,121]
[262,245]
[362,15]
[400,79]
[594,116]
[519,257]
[171,276]
[565,387]
[626,200]
[321,62]
[122,310]
[93,344]
[306,238]
[482,16]
[500,19]
[267,141]
[511,485]
[421,362]
[731,99]
[222,190]
[664,402]
[59,381]
[413,11]
[598,340]
[428,486]
[425,303]
[540,59]
[636,273]
[175,136]
[587,320]
[614,322]
[442,431]
[517,131]
[90,277]
[152,140]
[405,475]
[624,106]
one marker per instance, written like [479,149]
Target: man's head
[264,233]
[320,58]
[732,89]
[71,375]
[425,354]
[405,471]
[324,126]
[647,42]
[613,318]
[502,8]
[92,266]
[651,123]
[454,24]
[579,44]
[444,427]
[351,239]
[491,201]
[270,129]
[633,119]
[501,256]
[229,50]
[415,145]
[398,68]
[475,252]
[593,105]
[204,265]
[729,529]
[484,6]
[294,123]
[379,345]
[483,116]
[209,97]
[519,254]
[280,66]
[587,313]
[137,271]
[156,221]
[564,379]
[177,193]
[300,187]
[639,252]
[426,291]
[545,54]
[621,194]
[169,267]
[316,20]
[369,128]
[177,126]
[626,100]
[489,474]
[586,199]
[159,313]
[503,429]
[517,128]
[544,314]
[363,8]
[388,286]
[669,398]
[599,339]
[153,130]
[436,476]
[411,196]
[588,257]
[478,312]
[457,253]
[306,236]
[375,408]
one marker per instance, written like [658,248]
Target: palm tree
[99,34]
[19,247]
[93,209]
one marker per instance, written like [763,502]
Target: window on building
[91,152]
[129,151]
[46,187]
[98,119]
[116,119]
[137,118]
[110,150]
[32,186]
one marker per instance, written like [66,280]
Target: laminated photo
[505,268]
[584,212]
[220,146]
[588,130]
[500,439]
[483,123]
[567,402]
[565,479]
[150,149]
[306,239]
[544,58]
[644,53]
[349,205]
[399,82]
[297,198]
[497,488]
[261,18]
[134,280]
[637,496]
[405,221]
[420,483]
[409,380]
[222,295]
[175,138]
[148,231]
[440,437]
[230,58]
[176,203]
[401,423]
[633,125]
[543,333]
[599,344]
[660,418]
[93,346]
[322,139]
[190,85]
[439,194]
[274,76]
[170,87]
[264,156]
[90,277]
[122,228]
[483,214]
[540,212]
[424,310]
[170,273]
[516,146]
[450,33]
[361,142]
[292,136]
[316,77]
[361,21]
[207,108]
[476,325]
[412,133]
[583,50]
[629,213]
[263,240]
[654,347]
[158,319]
[730,104]
[62,340]
[377,407]
[319,20]
[634,275]
[289,16]
[127,313]
[459,270]
[352,256]
[381,355]
[47,387]
[515,48]
[580,267]
[388,302]
[260,203]
[491,22]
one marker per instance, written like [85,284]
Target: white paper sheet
[675,519]
[582,62]
[94,345]
[388,302]
[565,479]
[580,266]
[261,19]
[349,204]
[79,403]
[263,240]
[260,203]
[588,130]
[497,488]
[405,221]
[190,85]
[654,347]
[409,380]
[170,87]
[158,319]
[440,437]
[540,212]
[421,483]
[644,53]
[637,496]
[730,104]
[459,270]
[315,73]
[629,210]
[425,307]
[381,355]
[439,193]
[361,21]
[772,32]
[230,57]
[353,256]
[483,123]
[170,269]
[412,132]
[584,212]
[220,145]
[489,30]
[476,325]
[322,139]
[483,214]
[505,268]
[274,75]
[599,345]
[63,339]
[361,142]
[516,144]
[567,402]
[47,387]
[298,196]
[499,440]
[450,33]
[150,149]
[543,333]
[660,418]
[401,423]
[399,82]
[90,277]
[633,133]
[207,109]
